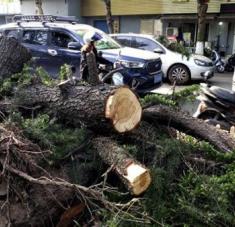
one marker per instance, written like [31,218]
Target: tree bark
[39,10]
[109,15]
[202,11]
[92,105]
[134,175]
[191,126]
[12,57]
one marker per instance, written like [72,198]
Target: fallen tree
[12,56]
[171,117]
[83,103]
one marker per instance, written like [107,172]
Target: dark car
[55,41]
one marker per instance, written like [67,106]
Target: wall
[74,9]
[146,7]
[54,7]
[12,7]
[129,24]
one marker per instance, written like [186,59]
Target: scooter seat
[223,94]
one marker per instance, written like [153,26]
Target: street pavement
[223,80]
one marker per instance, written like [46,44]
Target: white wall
[12,7]
[52,7]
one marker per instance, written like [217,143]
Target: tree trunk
[39,10]
[109,15]
[134,175]
[202,11]
[92,78]
[192,126]
[92,105]
[12,57]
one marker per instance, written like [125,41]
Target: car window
[60,39]
[35,37]
[145,44]
[123,40]
[13,33]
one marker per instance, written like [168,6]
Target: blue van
[55,41]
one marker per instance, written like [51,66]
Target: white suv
[175,66]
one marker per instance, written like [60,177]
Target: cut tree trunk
[12,56]
[134,175]
[222,140]
[92,105]
[93,78]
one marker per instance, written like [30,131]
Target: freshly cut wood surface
[124,109]
[135,176]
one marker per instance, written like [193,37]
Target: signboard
[227,8]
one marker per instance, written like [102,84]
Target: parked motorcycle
[230,64]
[217,61]
[217,106]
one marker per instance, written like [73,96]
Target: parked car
[174,66]
[54,41]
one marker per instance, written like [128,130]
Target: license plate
[157,79]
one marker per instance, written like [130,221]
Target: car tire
[220,69]
[179,73]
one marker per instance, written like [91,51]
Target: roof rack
[44,18]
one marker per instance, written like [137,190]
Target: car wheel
[220,69]
[179,74]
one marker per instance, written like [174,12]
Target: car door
[59,52]
[36,40]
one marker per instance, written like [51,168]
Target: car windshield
[105,43]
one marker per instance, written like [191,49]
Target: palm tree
[109,15]
[202,7]
[39,9]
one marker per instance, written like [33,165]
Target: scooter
[217,106]
[230,64]
[217,61]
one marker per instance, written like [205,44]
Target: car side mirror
[158,51]
[74,45]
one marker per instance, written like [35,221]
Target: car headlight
[132,64]
[202,63]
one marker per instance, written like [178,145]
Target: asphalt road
[223,80]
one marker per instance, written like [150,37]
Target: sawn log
[133,174]
[94,106]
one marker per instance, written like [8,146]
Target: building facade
[8,10]
[53,7]
[167,17]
